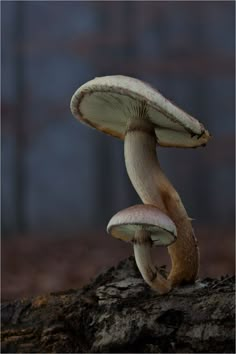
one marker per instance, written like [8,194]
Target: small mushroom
[145,226]
[132,110]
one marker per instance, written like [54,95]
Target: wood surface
[118,312]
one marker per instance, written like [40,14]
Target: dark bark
[118,312]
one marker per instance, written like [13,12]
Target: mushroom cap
[107,103]
[125,223]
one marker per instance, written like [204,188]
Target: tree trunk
[118,312]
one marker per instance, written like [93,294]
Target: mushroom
[145,226]
[132,110]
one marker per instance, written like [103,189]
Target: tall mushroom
[132,110]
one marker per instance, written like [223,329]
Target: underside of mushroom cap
[107,103]
[125,223]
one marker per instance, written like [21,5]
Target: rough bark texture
[117,312]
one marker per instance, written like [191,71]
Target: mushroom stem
[154,188]
[142,252]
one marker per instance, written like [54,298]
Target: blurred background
[62,181]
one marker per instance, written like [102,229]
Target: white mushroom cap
[125,223]
[106,103]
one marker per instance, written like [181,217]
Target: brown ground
[34,265]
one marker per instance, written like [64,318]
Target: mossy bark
[118,312]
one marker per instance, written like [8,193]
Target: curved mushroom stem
[154,188]
[142,252]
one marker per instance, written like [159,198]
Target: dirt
[38,264]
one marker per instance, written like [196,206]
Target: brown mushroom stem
[142,252]
[154,188]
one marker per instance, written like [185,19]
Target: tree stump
[118,312]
